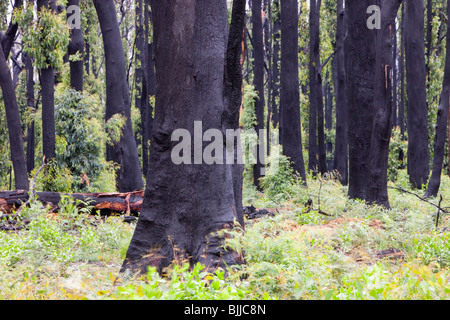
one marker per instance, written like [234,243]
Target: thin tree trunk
[129,176]
[313,151]
[441,123]
[47,80]
[258,81]
[276,61]
[290,126]
[341,142]
[360,65]
[30,103]
[418,154]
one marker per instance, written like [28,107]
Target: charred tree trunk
[441,123]
[47,81]
[76,45]
[418,155]
[182,211]
[360,66]
[14,126]
[11,107]
[106,203]
[315,85]
[258,81]
[313,151]
[341,142]
[30,103]
[276,29]
[290,127]
[382,121]
[129,176]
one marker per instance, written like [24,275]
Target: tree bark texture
[184,205]
[290,127]
[418,154]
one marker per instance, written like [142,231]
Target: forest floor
[356,251]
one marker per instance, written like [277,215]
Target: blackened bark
[290,128]
[140,77]
[258,81]
[328,118]
[14,126]
[129,176]
[7,39]
[316,98]
[418,154]
[382,121]
[233,95]
[441,124]
[275,63]
[401,106]
[313,150]
[47,80]
[76,45]
[30,103]
[360,64]
[184,204]
[341,142]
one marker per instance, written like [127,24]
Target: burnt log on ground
[103,203]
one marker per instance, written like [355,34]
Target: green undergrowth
[328,248]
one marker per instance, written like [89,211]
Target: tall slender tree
[382,121]
[129,176]
[318,154]
[290,127]
[418,154]
[76,47]
[47,81]
[441,122]
[258,81]
[12,110]
[341,142]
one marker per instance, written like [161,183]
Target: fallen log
[106,203]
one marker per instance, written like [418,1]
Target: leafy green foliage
[279,174]
[78,123]
[45,38]
[397,149]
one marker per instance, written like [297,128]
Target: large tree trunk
[14,126]
[185,204]
[418,154]
[76,45]
[290,128]
[341,142]
[129,176]
[382,122]
[360,66]
[258,81]
[441,123]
